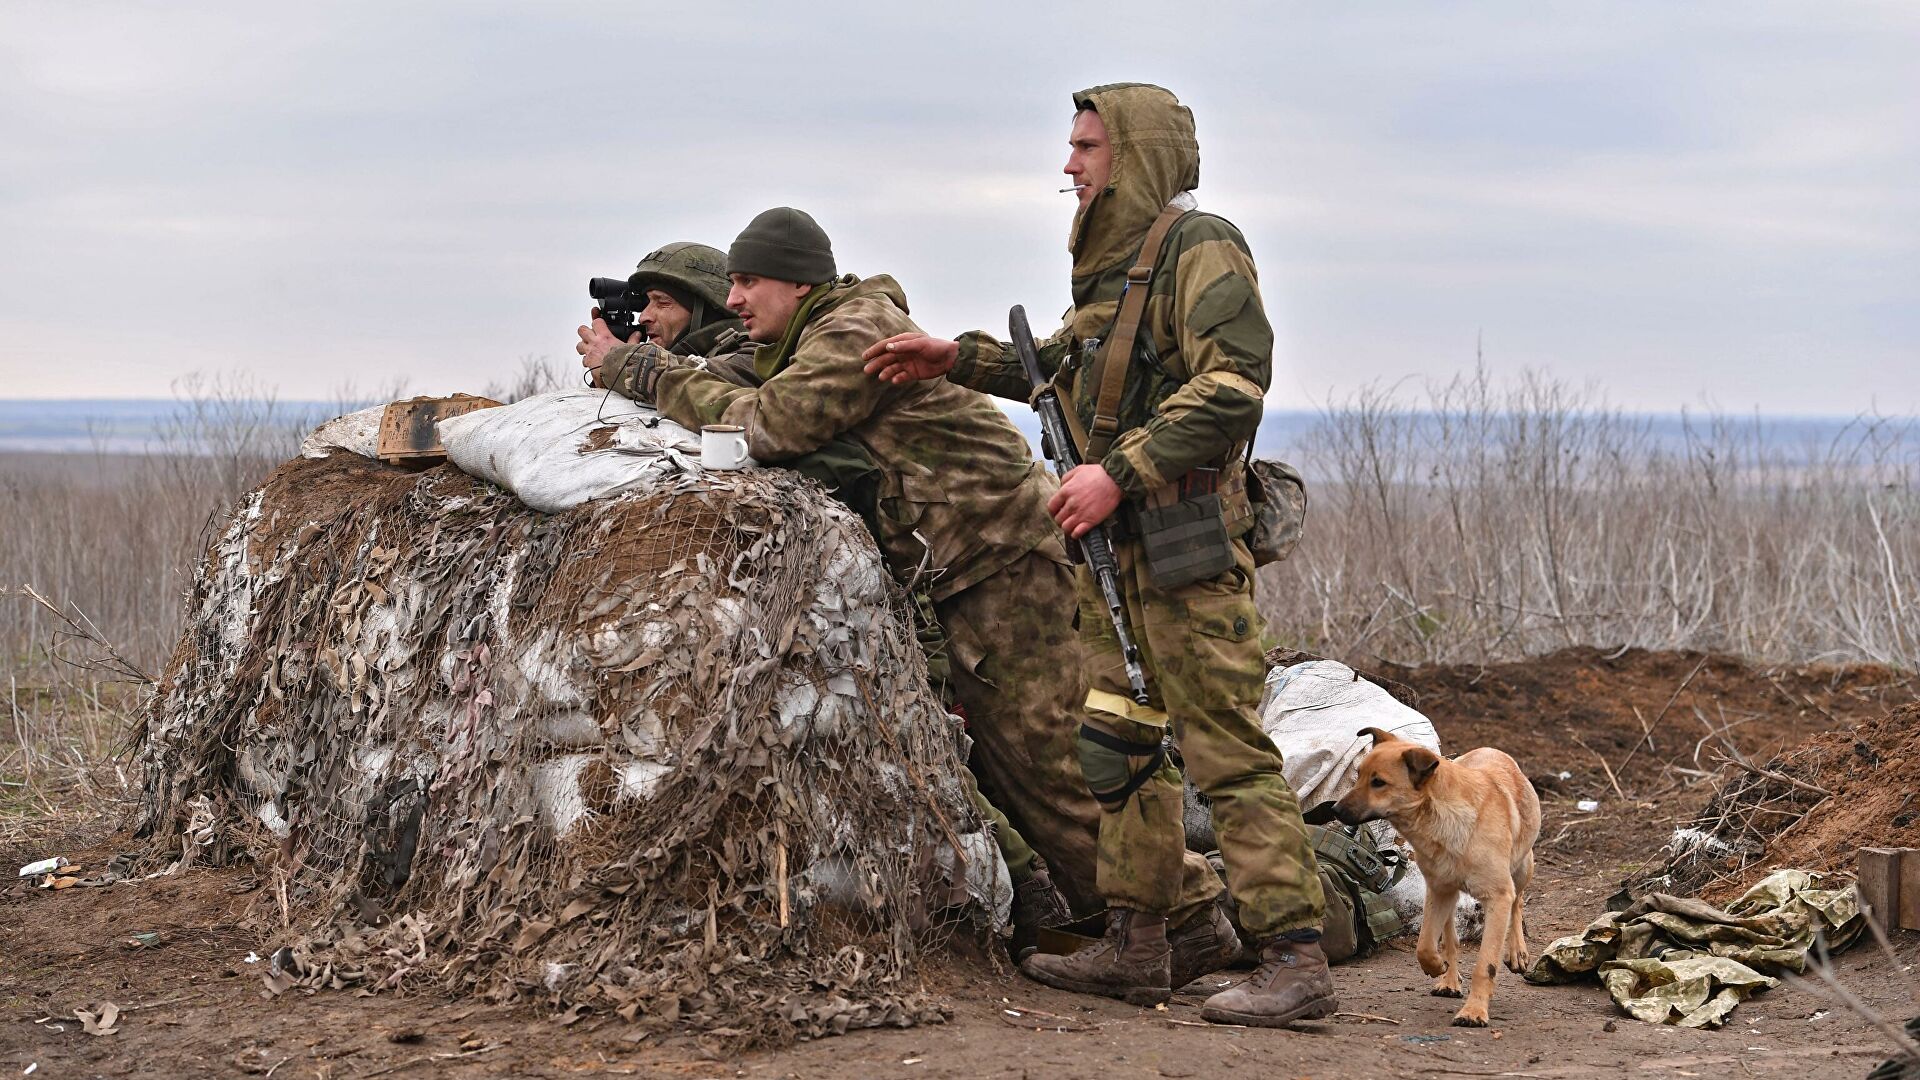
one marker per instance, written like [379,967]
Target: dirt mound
[1811,807]
[671,755]
[1634,731]
[1542,710]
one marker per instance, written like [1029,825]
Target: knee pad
[1104,763]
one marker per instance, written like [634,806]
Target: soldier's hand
[907,357]
[1087,497]
[595,341]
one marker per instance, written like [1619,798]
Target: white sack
[539,447]
[358,432]
[1313,712]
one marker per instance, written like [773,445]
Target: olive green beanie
[784,244]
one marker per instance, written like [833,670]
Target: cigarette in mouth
[1076,187]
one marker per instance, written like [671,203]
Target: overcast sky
[1682,204]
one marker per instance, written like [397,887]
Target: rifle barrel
[1096,546]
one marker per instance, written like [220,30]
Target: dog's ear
[1420,763]
[1378,735]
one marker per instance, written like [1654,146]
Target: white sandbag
[357,432]
[560,449]
[1313,711]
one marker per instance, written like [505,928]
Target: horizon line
[1672,413]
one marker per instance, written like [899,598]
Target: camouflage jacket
[1203,358]
[960,497]
[702,342]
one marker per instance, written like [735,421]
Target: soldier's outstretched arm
[987,364]
[977,360]
[910,357]
[821,394]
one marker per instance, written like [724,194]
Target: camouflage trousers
[1201,647]
[1016,665]
[1009,638]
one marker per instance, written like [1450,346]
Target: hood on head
[1155,157]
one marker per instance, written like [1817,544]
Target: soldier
[959,512]
[686,288]
[1163,442]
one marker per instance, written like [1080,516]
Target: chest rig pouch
[1183,531]
[1182,528]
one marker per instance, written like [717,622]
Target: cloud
[1675,201]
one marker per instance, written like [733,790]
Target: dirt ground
[1580,722]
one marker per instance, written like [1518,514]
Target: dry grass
[1483,523]
[117,535]
[113,540]
[1479,523]
[63,772]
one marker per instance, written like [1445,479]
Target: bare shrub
[116,535]
[1481,523]
[1474,523]
[536,375]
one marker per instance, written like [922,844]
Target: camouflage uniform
[705,341]
[1005,747]
[1192,399]
[959,512]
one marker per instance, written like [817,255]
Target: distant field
[1476,524]
[133,426]
[153,425]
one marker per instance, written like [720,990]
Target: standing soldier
[1163,417]
[794,381]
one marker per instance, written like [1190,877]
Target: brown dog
[1472,822]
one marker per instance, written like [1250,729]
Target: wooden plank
[407,434]
[1877,878]
[1908,902]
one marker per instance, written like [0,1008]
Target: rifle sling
[1111,375]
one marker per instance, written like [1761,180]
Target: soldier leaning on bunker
[953,499]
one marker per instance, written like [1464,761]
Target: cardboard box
[407,435]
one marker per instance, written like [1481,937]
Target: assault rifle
[1096,547]
[619,305]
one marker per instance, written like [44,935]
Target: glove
[633,370]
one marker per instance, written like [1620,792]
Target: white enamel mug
[723,446]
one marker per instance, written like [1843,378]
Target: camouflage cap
[684,267]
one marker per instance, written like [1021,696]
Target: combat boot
[1204,944]
[1291,983]
[1132,962]
[1036,905]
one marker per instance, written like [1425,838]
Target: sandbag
[1313,711]
[356,432]
[557,450]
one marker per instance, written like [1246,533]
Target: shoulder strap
[1118,356]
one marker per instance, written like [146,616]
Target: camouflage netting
[671,755]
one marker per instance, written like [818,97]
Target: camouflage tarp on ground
[670,755]
[1676,960]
